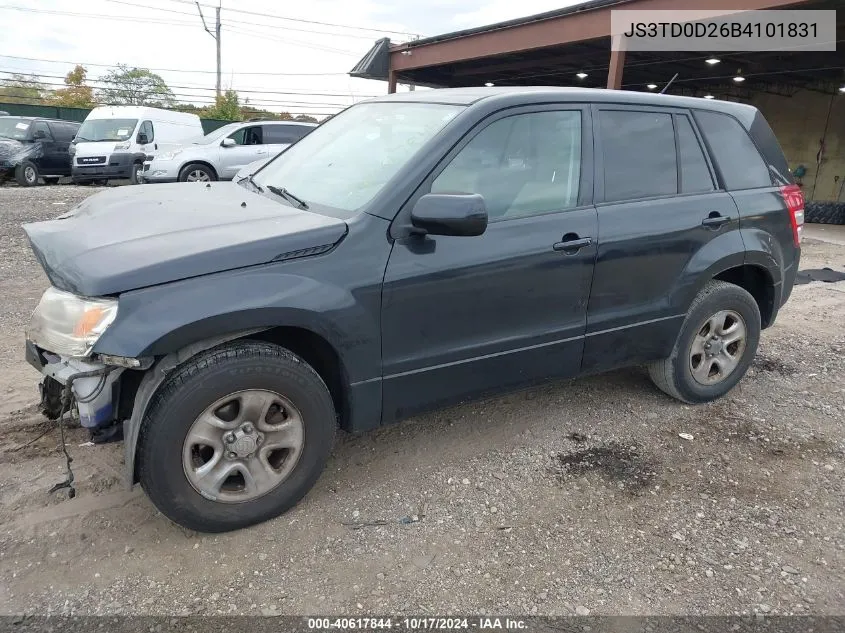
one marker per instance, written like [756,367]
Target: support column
[617,64]
[391,81]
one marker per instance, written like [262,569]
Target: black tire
[191,168]
[197,384]
[26,174]
[824,213]
[135,176]
[674,375]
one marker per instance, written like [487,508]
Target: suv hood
[132,237]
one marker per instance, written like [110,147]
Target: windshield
[216,134]
[345,162]
[10,127]
[96,130]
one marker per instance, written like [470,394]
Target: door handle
[571,243]
[715,221]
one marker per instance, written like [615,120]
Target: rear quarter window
[736,156]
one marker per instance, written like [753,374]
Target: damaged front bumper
[93,384]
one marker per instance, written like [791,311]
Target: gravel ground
[578,497]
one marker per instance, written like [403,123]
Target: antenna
[666,87]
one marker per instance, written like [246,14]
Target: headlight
[167,155]
[121,146]
[69,325]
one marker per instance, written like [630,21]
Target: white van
[114,141]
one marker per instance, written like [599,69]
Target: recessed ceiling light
[581,75]
[651,86]
[488,84]
[709,97]
[739,79]
[712,60]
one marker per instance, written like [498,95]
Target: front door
[466,316]
[249,147]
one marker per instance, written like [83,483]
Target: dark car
[415,251]
[33,148]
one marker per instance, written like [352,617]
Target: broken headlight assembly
[69,325]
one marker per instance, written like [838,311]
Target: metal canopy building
[799,92]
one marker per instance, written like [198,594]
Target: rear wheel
[236,436]
[197,172]
[715,347]
[26,174]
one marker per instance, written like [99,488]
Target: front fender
[163,319]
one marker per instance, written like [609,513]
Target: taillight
[794,198]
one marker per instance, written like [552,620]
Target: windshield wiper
[287,195]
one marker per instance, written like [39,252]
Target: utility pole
[216,36]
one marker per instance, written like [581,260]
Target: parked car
[3,113]
[114,141]
[225,151]
[33,148]
[415,251]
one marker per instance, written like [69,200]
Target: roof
[376,63]
[538,17]
[533,94]
[38,118]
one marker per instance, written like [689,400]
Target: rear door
[62,135]
[465,316]
[50,161]
[658,206]
[278,136]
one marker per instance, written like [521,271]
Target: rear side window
[279,134]
[640,160]
[739,162]
[60,132]
[695,174]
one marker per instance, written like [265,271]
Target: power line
[94,16]
[304,21]
[270,92]
[228,21]
[289,41]
[172,70]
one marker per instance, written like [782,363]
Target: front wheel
[197,172]
[236,436]
[715,347]
[26,174]
[135,175]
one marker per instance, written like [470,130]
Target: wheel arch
[758,282]
[202,162]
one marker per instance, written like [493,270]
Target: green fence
[78,114]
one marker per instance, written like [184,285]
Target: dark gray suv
[413,252]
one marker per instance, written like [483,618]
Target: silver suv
[220,154]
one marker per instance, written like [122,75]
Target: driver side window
[523,165]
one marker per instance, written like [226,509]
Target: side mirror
[228,142]
[142,139]
[450,214]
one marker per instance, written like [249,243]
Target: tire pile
[824,212]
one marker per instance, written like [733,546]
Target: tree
[226,107]
[23,89]
[304,118]
[135,86]
[77,94]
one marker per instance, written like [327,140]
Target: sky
[298,64]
